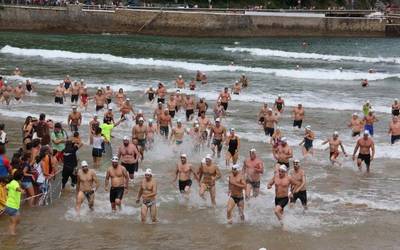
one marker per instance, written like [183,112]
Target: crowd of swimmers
[49,147]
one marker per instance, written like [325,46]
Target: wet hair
[27,120]
[42,117]
[76,134]
[97,131]
[35,143]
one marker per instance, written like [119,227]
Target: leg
[143,213]
[14,221]
[79,200]
[248,191]
[202,191]
[241,210]
[278,212]
[212,195]
[229,210]
[359,161]
[235,157]
[91,202]
[153,212]
[256,191]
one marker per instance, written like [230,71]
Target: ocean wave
[319,74]
[302,55]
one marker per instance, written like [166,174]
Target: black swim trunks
[88,194]
[365,158]
[237,200]
[131,167]
[261,119]
[254,184]
[395,112]
[225,105]
[218,144]
[297,123]
[354,134]
[150,96]
[172,113]
[142,143]
[59,100]
[99,108]
[394,138]
[116,193]
[189,113]
[108,100]
[269,131]
[184,184]
[282,202]
[164,130]
[302,195]
[162,100]
[74,98]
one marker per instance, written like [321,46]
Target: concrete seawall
[74,19]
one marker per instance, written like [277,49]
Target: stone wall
[73,19]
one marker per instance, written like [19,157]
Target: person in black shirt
[70,163]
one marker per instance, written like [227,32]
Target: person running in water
[86,186]
[369,120]
[334,143]
[394,130]
[298,191]
[224,98]
[148,194]
[396,107]
[367,151]
[298,116]
[236,187]
[253,169]
[233,143]
[218,134]
[119,178]
[282,184]
[279,104]
[208,173]
[356,125]
[183,173]
[307,142]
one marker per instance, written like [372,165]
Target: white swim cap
[308,127]
[283,168]
[109,108]
[95,115]
[253,150]
[179,121]
[141,119]
[127,99]
[148,172]
[355,114]
[150,120]
[208,156]
[114,159]
[180,76]
[270,109]
[366,132]
[284,139]
[296,161]
[197,126]
[236,167]
[218,120]
[74,106]
[232,129]
[203,160]
[183,156]
[126,138]
[335,133]
[84,164]
[82,80]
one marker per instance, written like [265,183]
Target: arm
[69,119]
[78,183]
[106,180]
[139,194]
[126,179]
[218,173]
[194,173]
[341,146]
[176,174]
[373,150]
[355,150]
[96,182]
[200,173]
[271,182]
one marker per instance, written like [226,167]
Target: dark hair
[18,175]
[26,157]
[27,120]
[76,134]
[57,125]
[98,131]
[42,117]
[29,145]
[36,142]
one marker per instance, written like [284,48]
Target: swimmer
[394,130]
[177,133]
[139,131]
[171,104]
[109,115]
[205,125]
[364,83]
[236,88]
[86,186]
[120,97]
[67,83]
[224,97]
[298,191]
[356,125]
[109,93]
[201,106]
[253,169]
[119,178]
[263,112]
[236,187]
[151,132]
[192,85]
[161,92]
[148,194]
[219,111]
[282,184]
[218,134]
[28,86]
[283,153]
[84,100]
[208,174]
[366,107]
[367,151]
[99,99]
[396,107]
[126,109]
[369,121]
[180,83]
[164,123]
[129,156]
[244,81]
[19,93]
[189,107]
[74,119]
[334,143]
[279,104]
[75,91]
[150,94]
[307,142]
[204,79]
[17,71]
[270,121]
[298,116]
[59,94]
[233,144]
[183,173]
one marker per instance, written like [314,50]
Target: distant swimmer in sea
[305,44]
[19,93]
[369,121]
[364,83]
[236,187]
[279,104]
[150,94]
[341,69]
[236,88]
[204,79]
[396,107]
[29,86]
[367,151]
[199,75]
[161,92]
[180,82]
[298,67]
[356,124]
[394,130]
[244,81]
[282,184]
[334,144]
[119,183]
[307,142]
[269,123]
[17,71]
[148,194]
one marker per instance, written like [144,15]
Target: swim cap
[236,167]
[296,161]
[284,139]
[183,156]
[141,119]
[218,120]
[355,114]
[127,99]
[203,160]
[179,121]
[270,109]
[126,138]
[335,133]
[232,129]
[95,115]
[74,107]
[109,108]
[208,156]
[180,76]
[84,164]
[308,127]
[148,172]
[283,168]
[197,126]
[366,132]
[114,159]
[253,150]
[150,120]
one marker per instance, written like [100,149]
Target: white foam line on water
[302,55]
[320,74]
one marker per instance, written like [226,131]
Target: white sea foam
[320,74]
[302,55]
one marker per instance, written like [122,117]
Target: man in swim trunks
[218,134]
[189,107]
[192,85]
[208,173]
[59,94]
[161,92]
[129,156]
[171,104]
[126,109]
[236,88]
[158,111]
[148,194]
[263,112]
[84,97]
[307,142]
[204,125]
[396,107]
[224,98]
[270,121]
[253,169]
[367,151]
[164,122]
[7,91]
[283,153]
[369,120]
[236,187]
[119,178]
[74,119]
[356,125]
[100,99]
[233,144]
[139,131]
[180,83]
[19,93]
[177,133]
[334,143]
[109,93]
[394,129]
[183,173]
[298,191]
[202,106]
[244,81]
[86,186]
[150,94]
[282,184]
[120,97]
[298,115]
[75,91]
[279,104]
[109,115]
[28,86]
